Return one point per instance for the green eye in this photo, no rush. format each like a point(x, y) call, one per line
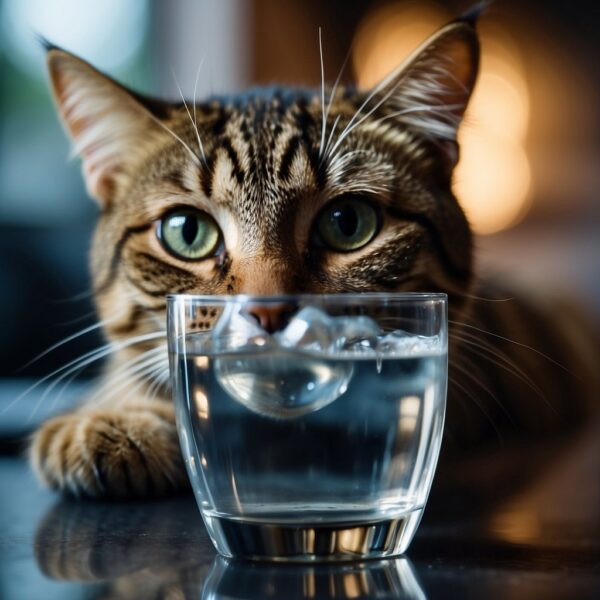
point(348, 224)
point(189, 234)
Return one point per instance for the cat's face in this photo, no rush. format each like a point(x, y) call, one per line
point(274, 191)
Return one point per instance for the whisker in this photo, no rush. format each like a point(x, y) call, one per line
point(160, 123)
point(350, 125)
point(70, 338)
point(192, 120)
point(74, 370)
point(323, 117)
point(129, 368)
point(335, 122)
point(76, 320)
point(120, 371)
point(69, 380)
point(137, 374)
point(196, 89)
point(330, 102)
point(400, 113)
point(145, 378)
point(473, 341)
point(501, 337)
point(84, 360)
point(416, 109)
point(427, 86)
point(160, 380)
point(76, 363)
point(63, 388)
point(76, 297)
point(481, 298)
point(457, 384)
point(469, 375)
point(506, 364)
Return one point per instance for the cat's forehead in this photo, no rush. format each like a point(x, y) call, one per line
point(257, 145)
point(261, 113)
point(276, 98)
point(262, 154)
point(258, 111)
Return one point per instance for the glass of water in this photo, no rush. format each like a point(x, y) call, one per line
point(310, 425)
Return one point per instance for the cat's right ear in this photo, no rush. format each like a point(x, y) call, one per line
point(105, 121)
point(430, 92)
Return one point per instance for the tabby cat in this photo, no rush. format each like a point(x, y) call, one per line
point(283, 191)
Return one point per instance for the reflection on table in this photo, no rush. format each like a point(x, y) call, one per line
point(161, 550)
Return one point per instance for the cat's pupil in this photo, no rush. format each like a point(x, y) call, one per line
point(189, 231)
point(347, 220)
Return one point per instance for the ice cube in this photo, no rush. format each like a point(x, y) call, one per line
point(395, 342)
point(314, 330)
point(310, 329)
point(358, 335)
point(236, 328)
point(402, 343)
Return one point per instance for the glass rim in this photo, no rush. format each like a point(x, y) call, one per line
point(414, 297)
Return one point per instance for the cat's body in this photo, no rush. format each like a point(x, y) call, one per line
point(283, 191)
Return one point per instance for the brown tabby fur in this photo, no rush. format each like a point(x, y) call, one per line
point(261, 166)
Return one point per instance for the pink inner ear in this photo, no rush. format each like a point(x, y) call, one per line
point(100, 184)
point(98, 170)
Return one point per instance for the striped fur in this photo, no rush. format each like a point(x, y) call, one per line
point(263, 164)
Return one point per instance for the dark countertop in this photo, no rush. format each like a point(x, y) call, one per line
point(544, 543)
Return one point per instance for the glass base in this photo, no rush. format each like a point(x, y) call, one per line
point(312, 543)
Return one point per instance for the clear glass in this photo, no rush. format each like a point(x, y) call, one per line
point(310, 425)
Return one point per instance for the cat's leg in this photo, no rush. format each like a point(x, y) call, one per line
point(121, 451)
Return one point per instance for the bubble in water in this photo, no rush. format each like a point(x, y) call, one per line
point(278, 384)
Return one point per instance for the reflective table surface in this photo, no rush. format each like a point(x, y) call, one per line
point(542, 543)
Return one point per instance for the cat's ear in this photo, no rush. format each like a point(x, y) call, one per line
point(105, 121)
point(430, 91)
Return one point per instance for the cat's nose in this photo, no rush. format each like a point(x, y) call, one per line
point(273, 317)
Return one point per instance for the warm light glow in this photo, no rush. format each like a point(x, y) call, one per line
point(410, 407)
point(521, 525)
point(201, 404)
point(492, 181)
point(493, 178)
point(355, 585)
point(389, 34)
point(201, 362)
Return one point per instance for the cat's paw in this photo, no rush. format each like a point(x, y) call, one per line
point(115, 453)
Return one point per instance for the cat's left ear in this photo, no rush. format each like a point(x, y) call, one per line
point(429, 92)
point(110, 126)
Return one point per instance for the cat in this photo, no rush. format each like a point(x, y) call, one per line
point(286, 190)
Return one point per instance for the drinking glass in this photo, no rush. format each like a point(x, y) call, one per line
point(310, 425)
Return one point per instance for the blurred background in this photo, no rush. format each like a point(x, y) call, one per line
point(528, 178)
